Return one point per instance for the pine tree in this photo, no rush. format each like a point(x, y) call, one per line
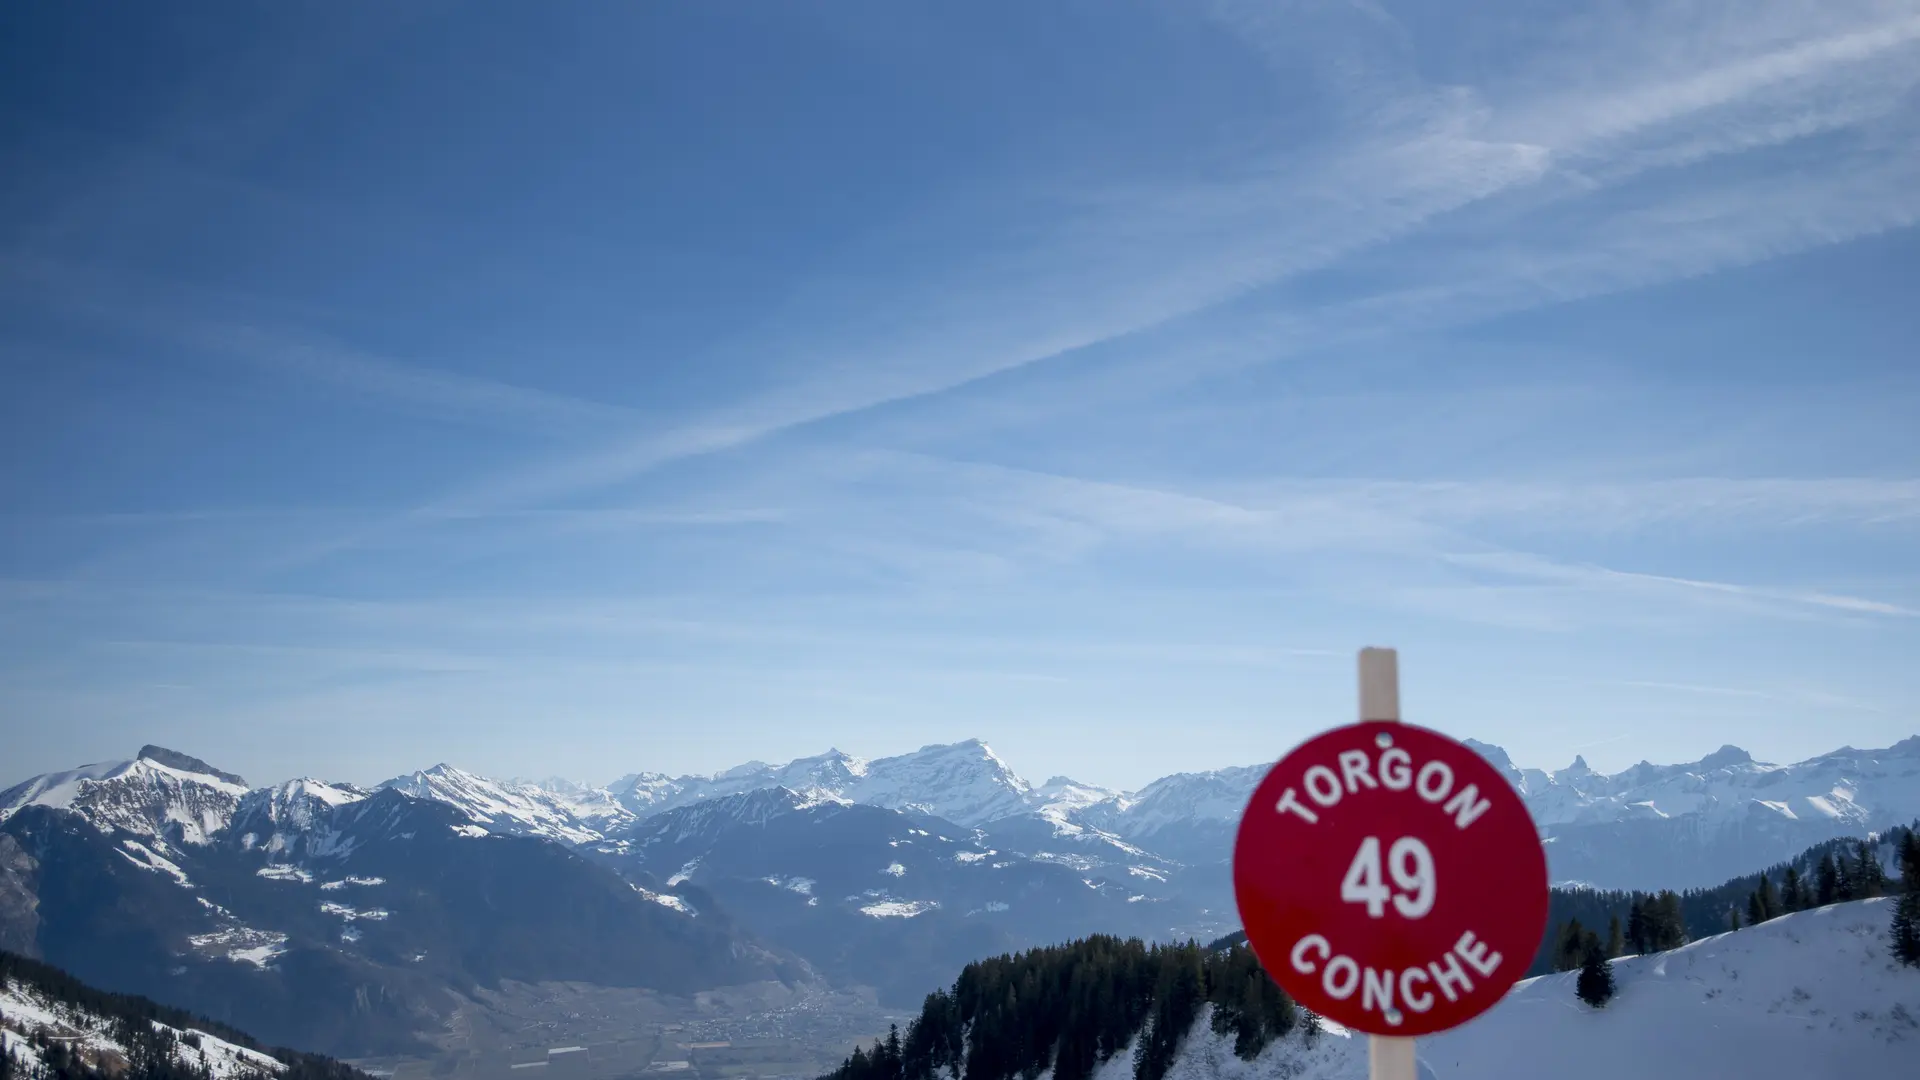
point(1669, 927)
point(1595, 984)
point(1826, 879)
point(1906, 912)
point(1870, 878)
point(1616, 943)
point(1792, 892)
point(1733, 918)
point(1769, 899)
point(1572, 946)
point(1637, 927)
point(890, 1055)
point(1843, 879)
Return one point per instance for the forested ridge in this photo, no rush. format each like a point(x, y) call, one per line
point(1624, 922)
point(1073, 1007)
point(151, 1053)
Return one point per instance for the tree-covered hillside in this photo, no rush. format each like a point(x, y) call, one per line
point(1073, 1007)
point(150, 1034)
point(1623, 923)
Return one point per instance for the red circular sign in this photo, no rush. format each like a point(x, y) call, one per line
point(1390, 879)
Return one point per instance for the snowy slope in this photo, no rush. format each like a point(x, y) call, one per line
point(1813, 994)
point(25, 1011)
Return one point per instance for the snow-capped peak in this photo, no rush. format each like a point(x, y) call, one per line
point(162, 795)
point(274, 818)
point(1061, 797)
point(706, 818)
point(184, 763)
point(1218, 795)
point(1722, 787)
point(1726, 757)
point(965, 782)
point(501, 807)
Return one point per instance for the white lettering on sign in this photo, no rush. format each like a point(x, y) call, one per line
point(1396, 769)
point(1290, 804)
point(1474, 952)
point(1386, 991)
point(1450, 976)
point(1376, 990)
point(1353, 766)
point(1411, 865)
point(1467, 805)
point(1409, 862)
point(1300, 948)
point(1341, 977)
point(1322, 786)
point(1434, 781)
point(1417, 1000)
point(1393, 770)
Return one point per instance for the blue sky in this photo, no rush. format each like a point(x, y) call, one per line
point(593, 388)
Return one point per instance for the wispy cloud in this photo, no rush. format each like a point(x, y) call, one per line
point(1611, 506)
point(1537, 567)
point(1444, 150)
point(1695, 688)
point(194, 323)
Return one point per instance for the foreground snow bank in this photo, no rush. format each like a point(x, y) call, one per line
point(1814, 993)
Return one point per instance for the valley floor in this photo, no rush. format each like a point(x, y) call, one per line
point(573, 1031)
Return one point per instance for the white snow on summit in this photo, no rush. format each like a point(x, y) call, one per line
point(157, 800)
point(595, 808)
point(1215, 796)
point(275, 819)
point(499, 807)
point(1061, 797)
point(964, 782)
point(1851, 788)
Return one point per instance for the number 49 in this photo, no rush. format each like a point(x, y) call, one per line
point(1411, 865)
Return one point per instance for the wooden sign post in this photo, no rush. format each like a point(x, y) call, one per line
point(1389, 877)
point(1388, 1057)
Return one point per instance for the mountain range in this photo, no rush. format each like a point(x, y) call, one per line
point(322, 915)
point(1649, 826)
point(351, 919)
